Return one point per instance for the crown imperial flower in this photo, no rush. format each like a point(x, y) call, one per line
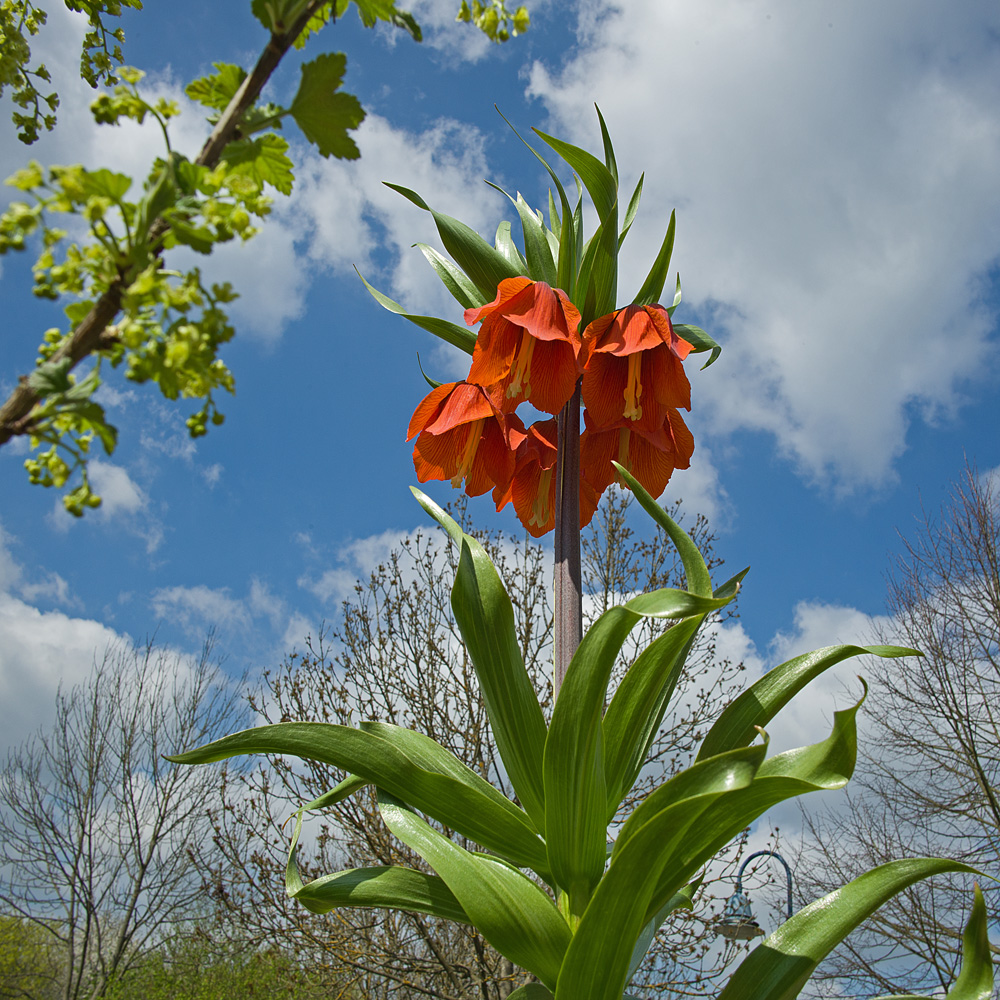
point(528, 346)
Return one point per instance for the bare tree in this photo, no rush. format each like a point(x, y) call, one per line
point(396, 656)
point(96, 828)
point(929, 774)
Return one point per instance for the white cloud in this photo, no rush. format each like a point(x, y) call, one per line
point(39, 650)
point(833, 166)
point(199, 608)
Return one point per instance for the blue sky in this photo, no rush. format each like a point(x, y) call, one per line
point(834, 168)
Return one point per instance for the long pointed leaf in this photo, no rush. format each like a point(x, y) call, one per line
point(699, 340)
point(454, 279)
point(486, 620)
point(485, 817)
point(696, 576)
point(630, 212)
point(598, 959)
point(459, 336)
point(638, 705)
point(510, 911)
point(575, 784)
point(652, 287)
point(390, 887)
point(599, 181)
point(781, 965)
point(485, 265)
point(762, 701)
point(824, 766)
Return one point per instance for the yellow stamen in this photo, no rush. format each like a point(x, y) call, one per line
point(521, 369)
point(633, 389)
point(469, 451)
point(540, 506)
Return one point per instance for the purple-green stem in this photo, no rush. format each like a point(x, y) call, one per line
point(568, 599)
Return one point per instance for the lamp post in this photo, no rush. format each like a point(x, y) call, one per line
point(738, 922)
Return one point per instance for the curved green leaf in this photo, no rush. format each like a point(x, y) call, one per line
point(531, 991)
point(390, 887)
point(638, 705)
point(780, 966)
point(504, 242)
point(485, 618)
point(485, 265)
point(975, 981)
point(459, 336)
point(599, 181)
point(598, 959)
point(454, 279)
point(652, 287)
point(609, 149)
point(696, 573)
point(631, 211)
point(824, 766)
point(762, 701)
point(451, 793)
point(697, 338)
point(510, 911)
point(682, 900)
point(575, 784)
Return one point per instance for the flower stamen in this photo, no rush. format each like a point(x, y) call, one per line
point(633, 388)
point(469, 451)
point(540, 505)
point(521, 369)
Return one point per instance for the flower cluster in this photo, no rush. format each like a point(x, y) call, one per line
point(530, 349)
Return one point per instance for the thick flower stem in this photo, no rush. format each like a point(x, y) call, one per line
point(568, 622)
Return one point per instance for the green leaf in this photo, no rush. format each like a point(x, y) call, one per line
point(541, 263)
point(609, 149)
point(390, 887)
point(631, 211)
point(824, 766)
point(597, 962)
point(682, 900)
point(575, 784)
point(459, 336)
point(975, 981)
point(598, 281)
point(218, 90)
point(484, 264)
point(454, 279)
point(696, 573)
point(504, 242)
point(263, 160)
point(447, 790)
point(652, 287)
point(781, 965)
point(511, 912)
point(699, 341)
point(638, 705)
point(531, 991)
point(764, 699)
point(597, 178)
point(485, 617)
point(324, 115)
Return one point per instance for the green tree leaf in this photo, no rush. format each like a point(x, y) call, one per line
point(263, 159)
point(324, 115)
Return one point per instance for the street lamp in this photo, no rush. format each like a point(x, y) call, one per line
point(738, 923)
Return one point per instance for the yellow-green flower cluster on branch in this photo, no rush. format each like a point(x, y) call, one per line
point(129, 307)
point(494, 20)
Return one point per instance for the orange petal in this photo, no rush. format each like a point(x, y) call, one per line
point(464, 404)
point(665, 378)
point(506, 290)
point(428, 408)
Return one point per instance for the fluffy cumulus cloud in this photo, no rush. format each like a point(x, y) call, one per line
point(834, 169)
point(39, 649)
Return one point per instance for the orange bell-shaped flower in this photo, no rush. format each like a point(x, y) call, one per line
point(463, 436)
point(528, 346)
point(634, 368)
point(533, 486)
point(649, 455)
